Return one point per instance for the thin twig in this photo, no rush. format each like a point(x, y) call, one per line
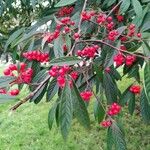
point(18, 104)
point(80, 21)
point(79, 28)
point(118, 49)
point(114, 8)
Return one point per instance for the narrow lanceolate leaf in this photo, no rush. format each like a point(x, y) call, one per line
point(13, 37)
point(99, 111)
point(6, 80)
point(51, 90)
point(58, 43)
point(99, 72)
point(145, 107)
point(51, 115)
point(131, 105)
point(6, 98)
point(39, 95)
point(65, 3)
point(110, 140)
point(66, 110)
point(80, 110)
point(124, 6)
point(147, 80)
point(137, 7)
point(111, 90)
point(118, 137)
point(65, 61)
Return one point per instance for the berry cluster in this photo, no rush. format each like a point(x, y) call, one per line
point(36, 55)
point(119, 59)
point(114, 109)
point(132, 31)
point(130, 59)
point(67, 21)
point(13, 92)
point(65, 11)
point(87, 15)
point(101, 18)
point(88, 52)
point(60, 73)
point(112, 35)
point(136, 89)
point(49, 37)
point(86, 95)
point(23, 75)
point(106, 123)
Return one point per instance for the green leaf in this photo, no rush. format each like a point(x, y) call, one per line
point(99, 72)
point(39, 95)
point(58, 43)
point(118, 137)
point(13, 37)
point(6, 98)
point(124, 6)
point(147, 80)
point(67, 60)
point(65, 3)
point(137, 7)
point(110, 140)
point(51, 115)
point(131, 105)
point(99, 111)
point(40, 76)
point(66, 110)
point(6, 80)
point(111, 90)
point(145, 107)
point(51, 90)
point(80, 110)
point(126, 96)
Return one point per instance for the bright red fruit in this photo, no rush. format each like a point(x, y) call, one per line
point(61, 81)
point(114, 109)
point(119, 59)
point(106, 123)
point(86, 95)
point(14, 92)
point(120, 18)
point(136, 89)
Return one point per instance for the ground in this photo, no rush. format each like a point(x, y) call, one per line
point(27, 129)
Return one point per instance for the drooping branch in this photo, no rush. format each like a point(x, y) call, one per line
point(18, 104)
point(118, 49)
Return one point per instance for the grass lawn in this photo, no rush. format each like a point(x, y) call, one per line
point(27, 129)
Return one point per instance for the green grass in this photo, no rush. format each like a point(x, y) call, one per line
point(27, 129)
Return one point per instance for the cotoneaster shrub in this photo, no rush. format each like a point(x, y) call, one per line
point(78, 58)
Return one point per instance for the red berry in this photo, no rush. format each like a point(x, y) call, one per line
point(120, 18)
point(14, 92)
point(61, 81)
point(76, 36)
point(86, 95)
point(136, 89)
point(139, 35)
point(7, 72)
